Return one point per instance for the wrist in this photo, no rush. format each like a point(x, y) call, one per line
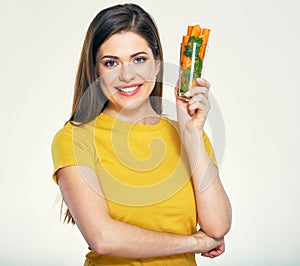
point(194, 147)
point(192, 137)
point(196, 244)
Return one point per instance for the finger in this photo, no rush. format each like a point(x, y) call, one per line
point(198, 106)
point(204, 255)
point(181, 103)
point(221, 248)
point(196, 90)
point(200, 98)
point(198, 113)
point(215, 253)
point(208, 255)
point(203, 82)
point(176, 89)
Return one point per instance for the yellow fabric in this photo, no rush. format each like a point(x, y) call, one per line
point(144, 175)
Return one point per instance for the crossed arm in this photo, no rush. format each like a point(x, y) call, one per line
point(107, 236)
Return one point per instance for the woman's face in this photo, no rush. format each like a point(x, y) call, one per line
point(127, 70)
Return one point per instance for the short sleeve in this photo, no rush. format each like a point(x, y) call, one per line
point(209, 149)
point(71, 146)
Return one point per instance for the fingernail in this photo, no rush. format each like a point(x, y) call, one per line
point(199, 79)
point(187, 94)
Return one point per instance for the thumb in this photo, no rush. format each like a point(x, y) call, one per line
point(176, 89)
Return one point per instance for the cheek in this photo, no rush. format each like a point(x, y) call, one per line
point(147, 71)
point(108, 77)
point(106, 86)
point(107, 81)
point(101, 72)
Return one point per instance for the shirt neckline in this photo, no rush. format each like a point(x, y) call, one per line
point(111, 122)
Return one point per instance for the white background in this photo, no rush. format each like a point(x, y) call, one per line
point(253, 65)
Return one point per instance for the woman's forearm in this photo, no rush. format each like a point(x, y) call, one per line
point(213, 206)
point(129, 241)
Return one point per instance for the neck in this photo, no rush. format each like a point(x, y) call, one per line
point(143, 115)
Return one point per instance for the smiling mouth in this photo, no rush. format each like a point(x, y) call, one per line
point(129, 90)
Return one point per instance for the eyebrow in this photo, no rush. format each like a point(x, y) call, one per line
point(116, 57)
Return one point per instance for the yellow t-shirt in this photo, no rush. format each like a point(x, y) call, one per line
point(144, 175)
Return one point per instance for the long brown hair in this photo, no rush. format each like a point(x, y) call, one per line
point(89, 101)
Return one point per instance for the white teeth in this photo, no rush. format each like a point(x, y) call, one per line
point(128, 89)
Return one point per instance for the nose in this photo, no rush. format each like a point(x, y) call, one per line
point(127, 73)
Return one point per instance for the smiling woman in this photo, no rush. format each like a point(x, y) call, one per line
point(135, 182)
point(127, 77)
point(88, 100)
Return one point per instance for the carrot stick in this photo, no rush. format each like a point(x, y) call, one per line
point(186, 62)
point(190, 28)
point(205, 33)
point(185, 40)
point(196, 31)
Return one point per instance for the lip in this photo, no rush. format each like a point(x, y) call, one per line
point(122, 89)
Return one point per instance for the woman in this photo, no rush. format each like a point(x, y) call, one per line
point(135, 182)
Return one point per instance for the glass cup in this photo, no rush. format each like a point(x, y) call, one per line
point(190, 68)
point(191, 63)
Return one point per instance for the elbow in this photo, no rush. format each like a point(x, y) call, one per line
point(101, 249)
point(219, 233)
point(221, 227)
point(99, 244)
point(103, 245)
point(101, 241)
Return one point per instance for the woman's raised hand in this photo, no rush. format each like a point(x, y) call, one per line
point(192, 114)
